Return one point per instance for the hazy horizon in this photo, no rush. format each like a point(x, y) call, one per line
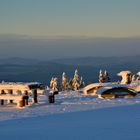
point(66, 47)
point(49, 29)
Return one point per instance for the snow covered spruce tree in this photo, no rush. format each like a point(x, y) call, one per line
point(82, 83)
point(101, 77)
point(53, 84)
point(70, 84)
point(106, 76)
point(75, 81)
point(138, 76)
point(134, 78)
point(64, 82)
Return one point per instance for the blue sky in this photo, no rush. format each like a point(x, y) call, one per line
point(94, 18)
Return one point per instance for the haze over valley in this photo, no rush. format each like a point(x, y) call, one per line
point(47, 48)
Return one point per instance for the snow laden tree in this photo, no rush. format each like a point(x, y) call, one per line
point(101, 77)
point(106, 76)
point(134, 78)
point(82, 83)
point(138, 76)
point(55, 87)
point(53, 84)
point(70, 84)
point(64, 82)
point(75, 81)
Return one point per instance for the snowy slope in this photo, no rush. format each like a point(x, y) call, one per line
point(116, 123)
point(73, 117)
point(65, 102)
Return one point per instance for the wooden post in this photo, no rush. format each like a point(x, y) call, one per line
point(23, 101)
point(26, 97)
point(20, 103)
point(35, 96)
point(11, 101)
point(11, 93)
point(2, 102)
point(51, 98)
point(26, 102)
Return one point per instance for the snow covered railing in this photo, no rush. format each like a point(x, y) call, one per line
point(19, 99)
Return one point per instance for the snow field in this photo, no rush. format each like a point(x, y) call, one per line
point(65, 102)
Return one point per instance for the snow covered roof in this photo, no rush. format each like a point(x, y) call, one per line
point(17, 85)
point(96, 85)
point(105, 88)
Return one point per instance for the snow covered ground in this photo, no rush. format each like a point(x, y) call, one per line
point(73, 116)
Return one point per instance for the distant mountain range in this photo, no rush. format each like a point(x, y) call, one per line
point(18, 61)
point(99, 61)
point(84, 61)
point(22, 69)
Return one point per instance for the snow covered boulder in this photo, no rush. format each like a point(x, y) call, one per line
point(135, 86)
point(126, 77)
point(138, 73)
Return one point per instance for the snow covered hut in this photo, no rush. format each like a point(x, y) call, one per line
point(115, 91)
point(109, 90)
point(91, 89)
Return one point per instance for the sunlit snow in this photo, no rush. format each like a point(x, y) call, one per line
point(65, 102)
